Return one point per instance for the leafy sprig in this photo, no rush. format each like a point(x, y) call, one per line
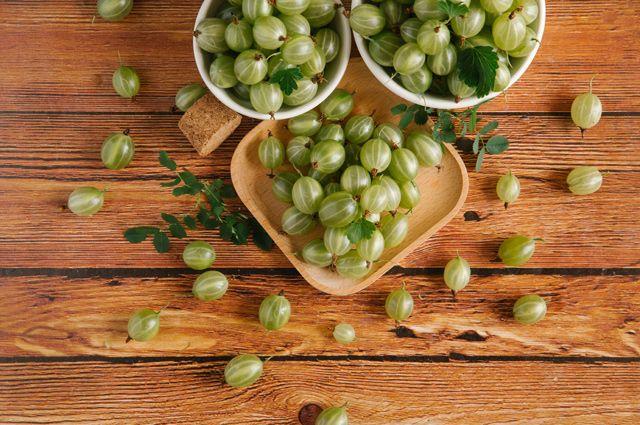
point(287, 79)
point(360, 229)
point(452, 9)
point(478, 66)
point(211, 213)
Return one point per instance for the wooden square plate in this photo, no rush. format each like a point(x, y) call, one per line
point(443, 191)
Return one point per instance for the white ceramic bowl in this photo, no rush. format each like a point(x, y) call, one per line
point(333, 72)
point(520, 65)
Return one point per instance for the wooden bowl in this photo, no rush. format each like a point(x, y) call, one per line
point(443, 190)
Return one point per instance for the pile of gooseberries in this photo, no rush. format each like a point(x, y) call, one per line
point(417, 43)
point(340, 176)
point(252, 40)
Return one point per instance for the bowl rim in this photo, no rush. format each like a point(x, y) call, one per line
point(342, 60)
point(434, 102)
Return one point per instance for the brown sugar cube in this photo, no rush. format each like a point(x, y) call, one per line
point(208, 123)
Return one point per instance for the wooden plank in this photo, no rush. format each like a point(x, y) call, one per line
point(87, 315)
point(44, 157)
point(65, 61)
point(376, 393)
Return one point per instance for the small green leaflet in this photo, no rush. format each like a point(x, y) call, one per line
point(480, 159)
point(497, 144)
point(287, 78)
point(167, 162)
point(452, 9)
point(260, 237)
point(360, 229)
point(161, 242)
point(139, 234)
point(478, 67)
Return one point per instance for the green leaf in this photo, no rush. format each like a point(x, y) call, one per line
point(177, 230)
point(227, 191)
point(452, 9)
point(478, 67)
point(473, 119)
point(422, 116)
point(161, 242)
point(139, 234)
point(260, 237)
point(489, 127)
point(167, 162)
point(188, 178)
point(171, 183)
point(189, 221)
point(241, 233)
point(286, 79)
point(480, 159)
point(463, 132)
point(171, 219)
point(360, 229)
point(182, 190)
point(398, 109)
point(406, 119)
point(476, 145)
point(497, 144)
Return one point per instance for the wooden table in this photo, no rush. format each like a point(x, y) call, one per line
point(69, 284)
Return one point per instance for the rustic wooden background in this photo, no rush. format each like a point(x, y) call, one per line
point(68, 284)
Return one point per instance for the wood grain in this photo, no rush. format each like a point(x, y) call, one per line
point(44, 157)
point(405, 393)
point(87, 315)
point(65, 60)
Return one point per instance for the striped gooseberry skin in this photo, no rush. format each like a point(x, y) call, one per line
point(228, 12)
point(329, 42)
point(266, 98)
point(530, 9)
point(295, 222)
point(332, 187)
point(333, 416)
point(307, 124)
point(250, 67)
point(375, 156)
point(410, 195)
point(114, 10)
point(509, 30)
point(526, 47)
point(315, 65)
point(457, 87)
point(338, 105)
point(584, 180)
point(321, 177)
point(469, 24)
point(282, 185)
point(271, 152)
point(306, 91)
point(503, 77)
point(418, 82)
point(338, 210)
point(508, 188)
point(243, 370)
point(394, 229)
point(238, 35)
point(355, 179)
point(344, 333)
point(373, 199)
point(117, 151)
point(516, 250)
point(188, 95)
point(496, 6)
point(359, 128)
point(373, 218)
point(404, 165)
point(433, 37)
point(297, 49)
point(320, 13)
point(330, 132)
point(275, 64)
point(292, 7)
point(274, 312)
point(209, 35)
point(269, 32)
point(241, 90)
point(408, 59)
point(428, 9)
point(457, 274)
point(442, 63)
point(390, 133)
point(367, 20)
point(427, 151)
point(235, 3)
point(222, 72)
point(143, 325)
point(299, 151)
point(316, 254)
point(393, 191)
point(307, 194)
point(394, 13)
point(327, 156)
point(371, 249)
point(586, 110)
point(336, 241)
point(210, 286)
point(530, 309)
point(352, 155)
point(352, 265)
point(409, 30)
point(383, 46)
point(198, 255)
point(126, 82)
point(253, 9)
point(85, 201)
point(296, 24)
point(399, 304)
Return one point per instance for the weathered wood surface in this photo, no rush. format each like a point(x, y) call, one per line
point(87, 315)
point(377, 392)
point(54, 57)
point(47, 155)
